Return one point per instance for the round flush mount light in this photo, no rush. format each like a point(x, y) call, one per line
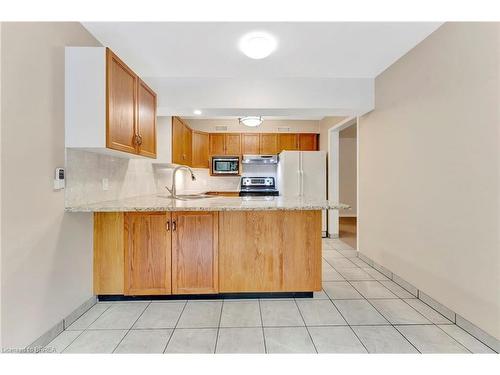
point(251, 121)
point(258, 44)
point(197, 112)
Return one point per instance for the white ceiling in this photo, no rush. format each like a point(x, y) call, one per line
point(199, 57)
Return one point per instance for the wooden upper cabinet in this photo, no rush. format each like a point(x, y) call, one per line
point(146, 120)
point(217, 144)
point(232, 143)
point(147, 253)
point(268, 144)
point(177, 140)
point(182, 136)
point(194, 252)
point(288, 141)
point(308, 142)
point(200, 150)
point(107, 106)
point(188, 145)
point(121, 130)
point(250, 143)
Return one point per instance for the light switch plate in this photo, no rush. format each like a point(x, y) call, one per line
point(105, 184)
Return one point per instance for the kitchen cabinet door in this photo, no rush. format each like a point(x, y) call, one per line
point(187, 141)
point(286, 257)
point(288, 142)
point(200, 150)
point(147, 253)
point(250, 143)
point(217, 146)
point(232, 144)
point(308, 142)
point(177, 141)
point(108, 253)
point(146, 120)
point(268, 144)
point(121, 131)
point(194, 252)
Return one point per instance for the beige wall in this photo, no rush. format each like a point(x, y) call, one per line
point(348, 170)
point(46, 253)
point(271, 126)
point(429, 171)
point(324, 125)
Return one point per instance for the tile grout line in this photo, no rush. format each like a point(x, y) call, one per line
point(72, 341)
point(348, 325)
point(262, 325)
point(431, 322)
point(218, 327)
point(85, 329)
point(93, 321)
point(418, 297)
point(125, 335)
point(459, 343)
point(392, 325)
point(175, 327)
point(305, 325)
point(382, 285)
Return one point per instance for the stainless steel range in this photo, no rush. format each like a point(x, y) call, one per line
point(258, 186)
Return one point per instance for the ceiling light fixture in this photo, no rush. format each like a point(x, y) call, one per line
point(258, 44)
point(197, 112)
point(251, 121)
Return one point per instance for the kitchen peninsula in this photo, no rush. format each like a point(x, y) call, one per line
point(155, 245)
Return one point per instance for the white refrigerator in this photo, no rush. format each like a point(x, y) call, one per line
point(303, 173)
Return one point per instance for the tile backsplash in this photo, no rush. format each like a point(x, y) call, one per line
point(86, 170)
point(127, 178)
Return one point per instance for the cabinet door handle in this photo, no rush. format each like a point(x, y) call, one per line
point(174, 226)
point(168, 225)
point(139, 139)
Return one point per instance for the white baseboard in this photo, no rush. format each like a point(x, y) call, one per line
point(52, 333)
point(467, 326)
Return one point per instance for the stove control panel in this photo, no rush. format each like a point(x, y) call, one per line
point(257, 181)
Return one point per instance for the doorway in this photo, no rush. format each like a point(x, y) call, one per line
point(343, 180)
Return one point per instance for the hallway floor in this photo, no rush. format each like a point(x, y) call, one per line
point(358, 311)
point(348, 231)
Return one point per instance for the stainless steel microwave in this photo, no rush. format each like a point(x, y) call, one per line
point(225, 165)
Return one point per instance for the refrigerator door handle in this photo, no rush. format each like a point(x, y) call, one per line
point(301, 178)
point(299, 182)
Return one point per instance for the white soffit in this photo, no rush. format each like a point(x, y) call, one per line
point(325, 67)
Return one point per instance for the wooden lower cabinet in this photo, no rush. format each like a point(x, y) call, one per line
point(269, 251)
point(147, 253)
point(194, 252)
point(205, 252)
point(108, 253)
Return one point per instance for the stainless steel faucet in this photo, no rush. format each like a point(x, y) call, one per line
point(173, 190)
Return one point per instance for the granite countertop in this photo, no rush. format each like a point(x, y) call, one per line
point(165, 203)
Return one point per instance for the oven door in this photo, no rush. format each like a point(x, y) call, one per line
point(226, 166)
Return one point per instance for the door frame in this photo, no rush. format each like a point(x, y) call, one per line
point(333, 172)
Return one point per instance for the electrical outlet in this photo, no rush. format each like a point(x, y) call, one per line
point(105, 184)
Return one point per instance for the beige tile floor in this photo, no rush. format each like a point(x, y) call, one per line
point(359, 310)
